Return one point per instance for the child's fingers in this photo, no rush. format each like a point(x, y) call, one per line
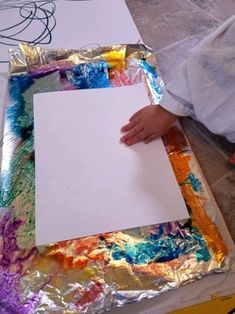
point(130, 125)
point(151, 138)
point(133, 132)
point(137, 138)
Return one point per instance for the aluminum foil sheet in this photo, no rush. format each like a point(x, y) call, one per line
point(98, 273)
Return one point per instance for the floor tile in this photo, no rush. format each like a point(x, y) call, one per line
point(164, 22)
point(171, 57)
point(221, 9)
point(212, 162)
point(219, 142)
point(224, 193)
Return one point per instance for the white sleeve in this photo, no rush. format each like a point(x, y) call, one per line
point(176, 96)
point(203, 87)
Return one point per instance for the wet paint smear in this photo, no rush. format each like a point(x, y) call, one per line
point(88, 75)
point(164, 247)
point(74, 276)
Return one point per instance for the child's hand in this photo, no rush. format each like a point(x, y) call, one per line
point(147, 124)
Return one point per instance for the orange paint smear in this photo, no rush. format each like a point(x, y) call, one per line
point(78, 253)
point(175, 141)
point(200, 219)
point(159, 269)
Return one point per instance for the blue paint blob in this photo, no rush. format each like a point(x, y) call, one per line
point(20, 110)
point(21, 90)
point(17, 86)
point(203, 254)
point(194, 182)
point(89, 75)
point(148, 68)
point(170, 242)
point(152, 79)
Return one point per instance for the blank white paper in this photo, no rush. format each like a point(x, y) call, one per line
point(87, 182)
point(66, 24)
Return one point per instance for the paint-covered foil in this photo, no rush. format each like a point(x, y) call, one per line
point(98, 273)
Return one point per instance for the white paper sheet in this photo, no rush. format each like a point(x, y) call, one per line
point(65, 24)
point(86, 181)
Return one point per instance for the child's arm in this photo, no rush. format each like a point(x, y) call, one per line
point(147, 124)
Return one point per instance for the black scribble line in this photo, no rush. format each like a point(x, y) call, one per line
point(30, 13)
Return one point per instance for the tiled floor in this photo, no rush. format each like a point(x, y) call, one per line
point(172, 28)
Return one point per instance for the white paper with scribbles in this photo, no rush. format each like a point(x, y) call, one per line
point(65, 24)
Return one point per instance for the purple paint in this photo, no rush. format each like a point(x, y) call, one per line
point(13, 260)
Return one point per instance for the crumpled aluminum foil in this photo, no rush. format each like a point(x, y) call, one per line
point(98, 273)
